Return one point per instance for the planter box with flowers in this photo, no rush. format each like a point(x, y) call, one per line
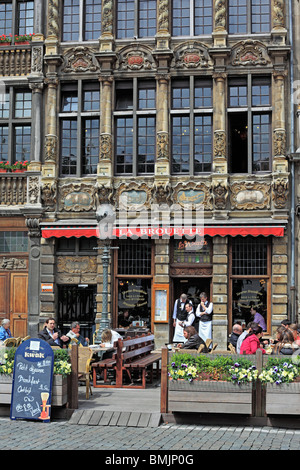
point(17, 167)
point(5, 40)
point(62, 368)
point(282, 383)
point(203, 384)
point(23, 39)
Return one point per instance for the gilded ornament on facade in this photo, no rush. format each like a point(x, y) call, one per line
point(278, 18)
point(107, 16)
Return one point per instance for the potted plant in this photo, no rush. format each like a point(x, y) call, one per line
point(281, 378)
point(20, 167)
point(5, 40)
point(23, 38)
point(4, 167)
point(204, 384)
point(61, 370)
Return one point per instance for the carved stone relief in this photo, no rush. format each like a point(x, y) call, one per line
point(12, 264)
point(80, 59)
point(34, 190)
point(219, 143)
point(220, 194)
point(77, 197)
point(133, 196)
point(280, 191)
point(135, 57)
point(250, 52)
point(50, 148)
point(76, 264)
point(162, 193)
point(250, 195)
point(105, 147)
point(279, 141)
point(162, 143)
point(193, 194)
point(220, 15)
point(191, 54)
point(49, 191)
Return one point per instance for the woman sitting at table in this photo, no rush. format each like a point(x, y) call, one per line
point(4, 330)
point(193, 339)
point(251, 342)
point(108, 338)
point(287, 345)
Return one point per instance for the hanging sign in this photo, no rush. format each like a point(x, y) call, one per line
point(32, 381)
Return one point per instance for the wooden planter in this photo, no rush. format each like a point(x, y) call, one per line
point(209, 397)
point(59, 390)
point(283, 399)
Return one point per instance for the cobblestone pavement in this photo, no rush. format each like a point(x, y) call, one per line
point(59, 435)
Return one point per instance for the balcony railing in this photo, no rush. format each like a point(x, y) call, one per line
point(15, 61)
point(13, 189)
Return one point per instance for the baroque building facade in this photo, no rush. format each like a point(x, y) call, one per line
point(149, 107)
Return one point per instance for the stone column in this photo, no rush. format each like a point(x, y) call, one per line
point(105, 169)
point(220, 287)
point(162, 164)
point(51, 157)
point(163, 25)
point(47, 275)
point(106, 39)
point(52, 27)
point(219, 26)
point(37, 119)
point(38, 27)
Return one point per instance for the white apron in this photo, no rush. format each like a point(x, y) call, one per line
point(178, 333)
point(205, 330)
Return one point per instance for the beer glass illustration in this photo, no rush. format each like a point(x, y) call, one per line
point(45, 407)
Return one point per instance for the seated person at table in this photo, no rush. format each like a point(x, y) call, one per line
point(193, 339)
point(4, 330)
point(243, 336)
point(251, 343)
point(108, 337)
point(52, 335)
point(294, 329)
point(237, 330)
point(74, 333)
point(123, 319)
point(286, 346)
point(258, 318)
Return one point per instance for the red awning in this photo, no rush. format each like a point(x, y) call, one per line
point(155, 232)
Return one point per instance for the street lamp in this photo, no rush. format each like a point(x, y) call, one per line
point(105, 217)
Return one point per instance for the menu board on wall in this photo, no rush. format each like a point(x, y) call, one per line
point(161, 302)
point(32, 381)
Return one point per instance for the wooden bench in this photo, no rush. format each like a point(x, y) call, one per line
point(136, 354)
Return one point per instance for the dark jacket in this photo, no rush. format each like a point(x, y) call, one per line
point(233, 339)
point(194, 343)
point(46, 337)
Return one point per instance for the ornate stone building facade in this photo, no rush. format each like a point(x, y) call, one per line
point(141, 104)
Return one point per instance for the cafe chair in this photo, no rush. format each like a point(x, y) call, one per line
point(231, 348)
point(200, 349)
point(18, 341)
point(10, 342)
point(85, 355)
point(25, 339)
point(214, 347)
point(208, 343)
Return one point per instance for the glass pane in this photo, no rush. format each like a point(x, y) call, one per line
point(71, 16)
point(13, 242)
point(92, 19)
point(245, 294)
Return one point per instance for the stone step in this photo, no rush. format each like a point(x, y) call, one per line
point(115, 418)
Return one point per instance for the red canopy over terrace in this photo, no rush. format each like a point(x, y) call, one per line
point(87, 231)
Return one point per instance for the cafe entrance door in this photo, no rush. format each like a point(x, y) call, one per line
point(192, 287)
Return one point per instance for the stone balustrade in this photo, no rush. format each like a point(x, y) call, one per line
point(13, 189)
point(15, 61)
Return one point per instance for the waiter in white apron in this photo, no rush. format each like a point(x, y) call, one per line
point(204, 312)
point(182, 317)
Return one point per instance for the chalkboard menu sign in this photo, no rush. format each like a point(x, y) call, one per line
point(32, 381)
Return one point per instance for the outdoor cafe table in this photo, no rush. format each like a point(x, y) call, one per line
point(100, 351)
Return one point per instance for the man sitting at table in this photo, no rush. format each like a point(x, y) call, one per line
point(74, 333)
point(123, 319)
